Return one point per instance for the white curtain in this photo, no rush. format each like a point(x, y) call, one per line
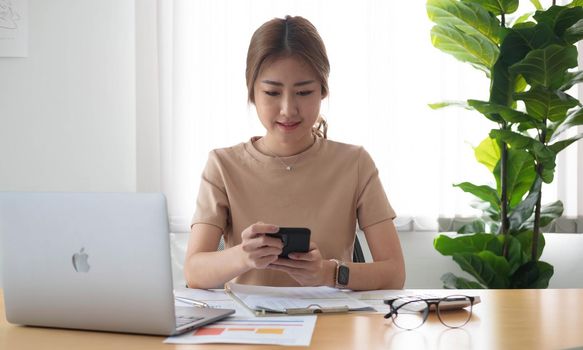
point(384, 72)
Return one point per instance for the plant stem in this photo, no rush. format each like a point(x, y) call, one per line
point(504, 196)
point(537, 208)
point(504, 179)
point(536, 228)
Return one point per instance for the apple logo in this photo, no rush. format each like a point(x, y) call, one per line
point(80, 261)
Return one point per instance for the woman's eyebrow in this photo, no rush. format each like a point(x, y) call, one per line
point(277, 83)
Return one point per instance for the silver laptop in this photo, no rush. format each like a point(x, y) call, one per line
point(96, 261)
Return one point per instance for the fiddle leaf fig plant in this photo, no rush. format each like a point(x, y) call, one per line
point(531, 64)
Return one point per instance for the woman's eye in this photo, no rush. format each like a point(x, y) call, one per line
point(272, 93)
point(305, 93)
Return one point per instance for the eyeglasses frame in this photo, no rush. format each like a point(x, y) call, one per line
point(431, 302)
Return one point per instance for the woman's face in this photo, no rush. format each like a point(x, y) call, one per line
point(287, 97)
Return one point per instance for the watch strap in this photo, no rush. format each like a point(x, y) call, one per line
point(337, 284)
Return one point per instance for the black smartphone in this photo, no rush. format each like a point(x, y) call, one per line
point(295, 239)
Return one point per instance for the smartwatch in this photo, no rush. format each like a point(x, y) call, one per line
point(341, 275)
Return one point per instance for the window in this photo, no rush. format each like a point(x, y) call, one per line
point(384, 72)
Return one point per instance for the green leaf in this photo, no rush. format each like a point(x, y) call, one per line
point(567, 19)
point(546, 271)
point(490, 110)
point(475, 226)
point(525, 208)
point(564, 22)
point(462, 244)
point(451, 281)
point(497, 7)
point(467, 17)
point(547, 67)
point(516, 257)
point(488, 153)
point(522, 18)
point(444, 104)
point(537, 149)
point(561, 145)
point(537, 4)
point(520, 41)
point(498, 263)
point(516, 45)
point(520, 175)
point(487, 109)
point(575, 3)
point(502, 85)
point(574, 119)
point(574, 33)
point(549, 16)
point(525, 238)
point(533, 274)
point(542, 103)
point(548, 214)
point(477, 51)
point(571, 79)
point(496, 245)
point(487, 268)
point(484, 192)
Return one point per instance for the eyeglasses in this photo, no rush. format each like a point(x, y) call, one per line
point(408, 313)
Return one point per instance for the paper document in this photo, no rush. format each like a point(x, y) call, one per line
point(291, 331)
point(287, 299)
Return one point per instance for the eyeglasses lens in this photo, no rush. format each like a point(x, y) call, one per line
point(451, 314)
point(411, 312)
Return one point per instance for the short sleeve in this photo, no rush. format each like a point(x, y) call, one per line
point(212, 204)
point(372, 205)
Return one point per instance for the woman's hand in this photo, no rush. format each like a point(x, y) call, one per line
point(308, 269)
point(258, 249)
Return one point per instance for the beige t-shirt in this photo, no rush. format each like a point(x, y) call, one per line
point(332, 186)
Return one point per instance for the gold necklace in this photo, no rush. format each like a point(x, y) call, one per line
point(288, 167)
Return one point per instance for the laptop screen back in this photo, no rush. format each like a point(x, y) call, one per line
point(97, 261)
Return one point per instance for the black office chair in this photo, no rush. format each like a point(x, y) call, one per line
point(357, 254)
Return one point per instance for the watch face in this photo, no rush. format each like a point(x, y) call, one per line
point(343, 273)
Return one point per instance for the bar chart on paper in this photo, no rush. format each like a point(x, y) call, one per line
point(296, 331)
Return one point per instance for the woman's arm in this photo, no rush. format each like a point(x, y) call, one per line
point(388, 269)
point(205, 267)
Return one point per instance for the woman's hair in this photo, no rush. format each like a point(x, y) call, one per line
point(290, 36)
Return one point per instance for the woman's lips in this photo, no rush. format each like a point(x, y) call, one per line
point(288, 126)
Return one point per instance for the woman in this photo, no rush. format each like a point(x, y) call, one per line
point(292, 176)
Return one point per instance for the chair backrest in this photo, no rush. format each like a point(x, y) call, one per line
point(357, 254)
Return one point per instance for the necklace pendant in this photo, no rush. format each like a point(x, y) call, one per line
point(288, 168)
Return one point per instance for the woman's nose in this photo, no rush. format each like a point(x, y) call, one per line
point(289, 105)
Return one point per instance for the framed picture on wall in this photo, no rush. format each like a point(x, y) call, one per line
point(13, 28)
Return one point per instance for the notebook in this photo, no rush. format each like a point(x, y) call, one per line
point(94, 261)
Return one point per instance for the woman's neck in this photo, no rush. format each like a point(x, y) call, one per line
point(285, 149)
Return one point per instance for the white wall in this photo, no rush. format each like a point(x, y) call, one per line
point(67, 117)
point(67, 111)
